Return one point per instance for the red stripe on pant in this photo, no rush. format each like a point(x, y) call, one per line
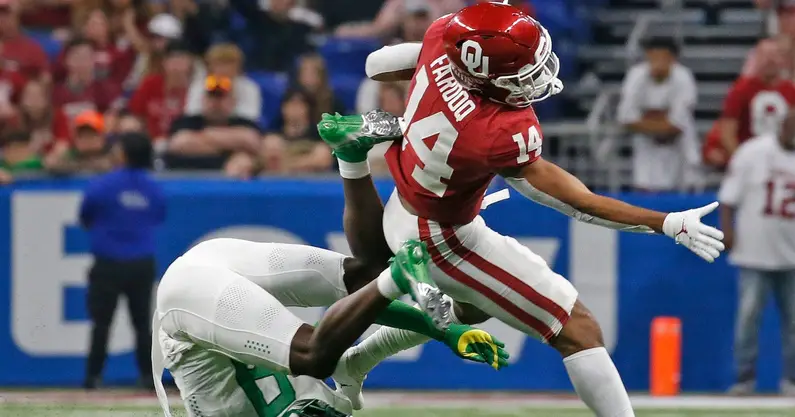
point(448, 268)
point(494, 271)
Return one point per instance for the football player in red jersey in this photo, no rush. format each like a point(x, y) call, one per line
point(755, 105)
point(469, 118)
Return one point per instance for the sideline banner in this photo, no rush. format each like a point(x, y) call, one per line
point(625, 279)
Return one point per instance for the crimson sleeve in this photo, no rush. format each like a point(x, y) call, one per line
point(515, 150)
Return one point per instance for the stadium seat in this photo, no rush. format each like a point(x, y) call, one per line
point(272, 86)
point(347, 56)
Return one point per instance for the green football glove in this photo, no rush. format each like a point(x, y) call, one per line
point(476, 345)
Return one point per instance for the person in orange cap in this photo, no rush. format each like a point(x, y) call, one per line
point(88, 151)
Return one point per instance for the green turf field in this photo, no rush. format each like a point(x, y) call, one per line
point(127, 403)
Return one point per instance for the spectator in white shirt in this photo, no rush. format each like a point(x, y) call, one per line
point(658, 97)
point(226, 60)
point(758, 217)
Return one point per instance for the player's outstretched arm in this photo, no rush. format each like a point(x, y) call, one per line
point(684, 227)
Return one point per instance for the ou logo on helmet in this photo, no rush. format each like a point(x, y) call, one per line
point(473, 58)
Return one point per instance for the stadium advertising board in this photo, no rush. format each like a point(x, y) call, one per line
point(625, 279)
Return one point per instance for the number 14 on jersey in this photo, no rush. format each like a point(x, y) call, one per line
point(528, 146)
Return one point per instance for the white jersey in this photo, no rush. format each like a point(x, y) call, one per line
point(665, 166)
point(760, 183)
point(211, 383)
point(224, 330)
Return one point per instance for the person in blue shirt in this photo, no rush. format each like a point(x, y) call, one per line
point(121, 211)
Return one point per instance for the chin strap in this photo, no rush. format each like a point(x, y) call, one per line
point(523, 187)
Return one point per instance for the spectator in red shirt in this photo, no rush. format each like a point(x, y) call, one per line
point(163, 29)
point(160, 98)
point(11, 85)
point(47, 125)
point(755, 106)
point(20, 52)
point(111, 63)
point(80, 90)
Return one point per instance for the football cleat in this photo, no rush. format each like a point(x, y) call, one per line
point(351, 137)
point(409, 270)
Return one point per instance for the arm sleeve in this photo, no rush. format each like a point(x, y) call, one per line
point(731, 188)
point(629, 110)
point(393, 58)
point(523, 187)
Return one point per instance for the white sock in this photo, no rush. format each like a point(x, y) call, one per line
point(596, 380)
point(380, 345)
point(387, 286)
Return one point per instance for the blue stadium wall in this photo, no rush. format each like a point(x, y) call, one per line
point(626, 279)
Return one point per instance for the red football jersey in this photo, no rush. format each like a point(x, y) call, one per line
point(758, 107)
point(156, 105)
point(99, 96)
point(455, 142)
point(25, 55)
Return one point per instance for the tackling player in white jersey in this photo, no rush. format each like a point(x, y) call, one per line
point(223, 330)
point(469, 118)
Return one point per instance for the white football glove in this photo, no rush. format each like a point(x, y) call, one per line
point(685, 228)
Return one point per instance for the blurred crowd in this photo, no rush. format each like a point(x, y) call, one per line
point(658, 100)
point(75, 74)
point(752, 145)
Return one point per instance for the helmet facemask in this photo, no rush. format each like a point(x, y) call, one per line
point(534, 82)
